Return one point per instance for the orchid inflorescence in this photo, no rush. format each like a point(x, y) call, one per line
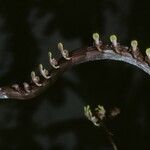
point(98, 118)
point(99, 51)
point(100, 114)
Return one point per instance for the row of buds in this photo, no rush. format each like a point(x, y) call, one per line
point(134, 47)
point(45, 73)
point(53, 62)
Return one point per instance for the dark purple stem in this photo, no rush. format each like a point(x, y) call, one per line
point(77, 57)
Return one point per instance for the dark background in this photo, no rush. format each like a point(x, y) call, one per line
point(55, 120)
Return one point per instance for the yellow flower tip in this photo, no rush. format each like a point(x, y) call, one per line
point(134, 43)
point(49, 54)
point(35, 79)
point(97, 41)
point(60, 46)
point(43, 72)
point(148, 52)
point(26, 87)
point(113, 38)
point(32, 73)
point(95, 36)
point(63, 51)
point(40, 66)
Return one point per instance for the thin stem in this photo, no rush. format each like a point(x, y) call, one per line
point(112, 142)
point(109, 135)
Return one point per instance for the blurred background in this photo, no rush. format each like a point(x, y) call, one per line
point(55, 119)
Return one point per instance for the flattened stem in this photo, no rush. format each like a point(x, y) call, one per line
point(78, 56)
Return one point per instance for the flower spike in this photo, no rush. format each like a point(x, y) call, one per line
point(26, 87)
point(134, 45)
point(35, 79)
point(113, 51)
point(97, 41)
point(53, 61)
point(44, 72)
point(63, 51)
